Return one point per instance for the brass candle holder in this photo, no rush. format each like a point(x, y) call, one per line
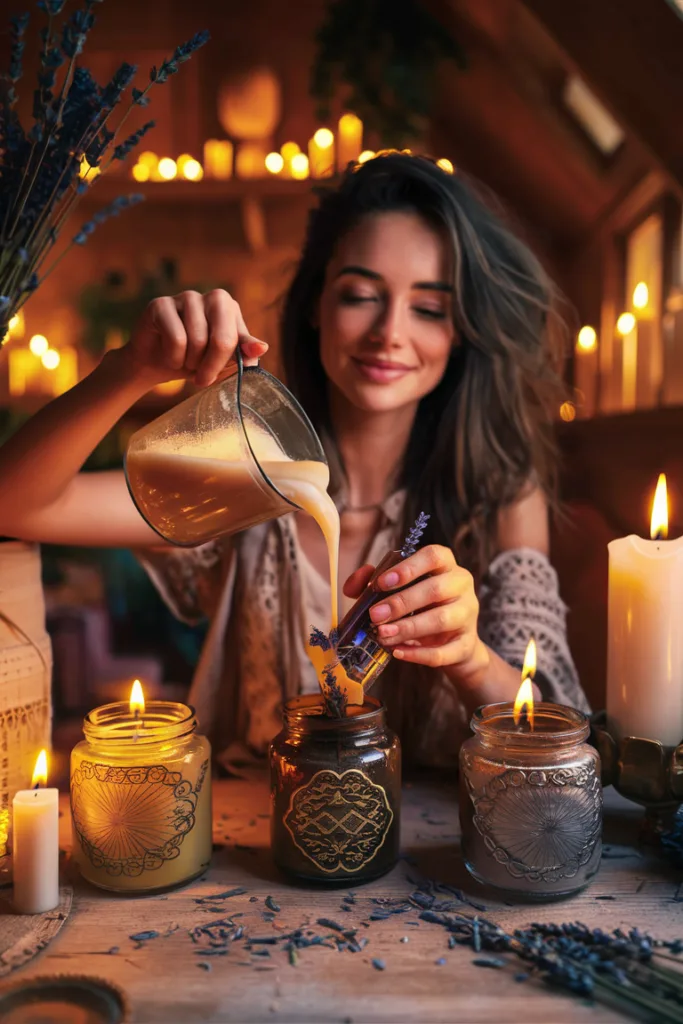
point(643, 770)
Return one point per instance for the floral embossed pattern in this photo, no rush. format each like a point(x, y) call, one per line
point(130, 820)
point(339, 821)
point(541, 825)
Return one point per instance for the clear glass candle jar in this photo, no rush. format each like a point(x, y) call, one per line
point(531, 802)
point(335, 793)
point(141, 798)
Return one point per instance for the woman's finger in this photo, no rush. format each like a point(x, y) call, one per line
point(168, 325)
point(252, 348)
point(358, 581)
point(447, 618)
point(429, 591)
point(435, 558)
point(455, 652)
point(190, 306)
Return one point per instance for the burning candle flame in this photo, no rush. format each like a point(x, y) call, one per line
point(524, 701)
point(659, 523)
point(137, 699)
point(39, 777)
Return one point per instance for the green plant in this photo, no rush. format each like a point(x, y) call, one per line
point(387, 53)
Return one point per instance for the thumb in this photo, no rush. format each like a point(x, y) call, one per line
point(252, 348)
point(358, 581)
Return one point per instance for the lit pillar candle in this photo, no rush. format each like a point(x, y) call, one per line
point(218, 157)
point(321, 153)
point(349, 141)
point(644, 636)
point(35, 844)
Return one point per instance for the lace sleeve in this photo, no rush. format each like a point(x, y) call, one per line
point(520, 597)
point(187, 578)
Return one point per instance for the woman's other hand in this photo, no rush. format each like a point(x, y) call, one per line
point(433, 620)
point(189, 335)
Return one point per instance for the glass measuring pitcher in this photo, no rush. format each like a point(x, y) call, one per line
point(235, 454)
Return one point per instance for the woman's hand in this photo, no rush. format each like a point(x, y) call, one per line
point(189, 336)
point(434, 620)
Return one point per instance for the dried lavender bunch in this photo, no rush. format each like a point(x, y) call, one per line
point(672, 841)
point(41, 176)
point(335, 698)
point(319, 639)
point(414, 535)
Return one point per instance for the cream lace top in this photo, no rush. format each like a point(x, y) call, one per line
point(262, 597)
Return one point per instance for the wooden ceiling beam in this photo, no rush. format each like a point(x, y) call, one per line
point(630, 54)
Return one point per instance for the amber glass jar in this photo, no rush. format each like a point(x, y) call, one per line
point(335, 793)
point(141, 798)
point(531, 802)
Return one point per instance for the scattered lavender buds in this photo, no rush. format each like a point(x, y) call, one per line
point(414, 535)
point(318, 639)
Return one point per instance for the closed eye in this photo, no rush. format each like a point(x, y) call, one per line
point(356, 300)
point(432, 314)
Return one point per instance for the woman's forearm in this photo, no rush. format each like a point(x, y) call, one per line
point(486, 679)
point(43, 457)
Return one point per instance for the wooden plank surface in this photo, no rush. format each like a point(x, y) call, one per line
point(165, 983)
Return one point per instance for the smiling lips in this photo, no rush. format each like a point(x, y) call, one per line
point(381, 371)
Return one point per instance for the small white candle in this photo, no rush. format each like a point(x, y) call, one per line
point(644, 633)
point(35, 845)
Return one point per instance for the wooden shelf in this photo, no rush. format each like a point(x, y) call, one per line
point(207, 191)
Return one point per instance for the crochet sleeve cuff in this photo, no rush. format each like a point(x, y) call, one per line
point(519, 598)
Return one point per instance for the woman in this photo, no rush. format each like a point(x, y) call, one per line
point(416, 334)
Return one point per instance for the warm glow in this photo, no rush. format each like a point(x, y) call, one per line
point(169, 387)
point(86, 171)
point(299, 165)
point(524, 701)
point(148, 159)
point(218, 158)
point(137, 699)
point(641, 295)
point(167, 168)
point(659, 521)
point(193, 170)
point(50, 359)
point(274, 163)
point(587, 339)
point(626, 323)
point(323, 138)
point(366, 155)
point(289, 150)
point(568, 412)
point(141, 172)
point(39, 777)
point(445, 165)
point(16, 325)
point(38, 344)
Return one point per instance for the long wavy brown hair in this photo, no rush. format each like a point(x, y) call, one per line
point(484, 434)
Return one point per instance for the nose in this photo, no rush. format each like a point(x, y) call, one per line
point(390, 326)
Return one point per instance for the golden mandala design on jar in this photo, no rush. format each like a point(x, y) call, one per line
point(132, 819)
point(339, 821)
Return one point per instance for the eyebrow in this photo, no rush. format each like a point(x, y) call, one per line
point(429, 286)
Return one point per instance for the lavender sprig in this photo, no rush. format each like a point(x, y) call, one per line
point(413, 537)
point(319, 639)
point(336, 699)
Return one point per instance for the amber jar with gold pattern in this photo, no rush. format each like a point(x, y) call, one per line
point(335, 793)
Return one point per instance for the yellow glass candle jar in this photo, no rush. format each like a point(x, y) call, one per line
point(141, 798)
point(531, 801)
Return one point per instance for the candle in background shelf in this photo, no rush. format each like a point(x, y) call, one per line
point(644, 632)
point(218, 159)
point(530, 796)
point(349, 140)
point(250, 161)
point(141, 796)
point(321, 153)
point(35, 844)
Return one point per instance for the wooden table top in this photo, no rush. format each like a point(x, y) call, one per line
point(423, 979)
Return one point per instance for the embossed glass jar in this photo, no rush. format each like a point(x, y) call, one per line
point(335, 793)
point(141, 798)
point(531, 802)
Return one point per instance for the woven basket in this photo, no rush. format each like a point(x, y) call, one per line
point(25, 674)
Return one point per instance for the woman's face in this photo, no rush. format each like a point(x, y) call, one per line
point(386, 328)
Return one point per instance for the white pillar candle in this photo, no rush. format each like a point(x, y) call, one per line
point(645, 633)
point(35, 845)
